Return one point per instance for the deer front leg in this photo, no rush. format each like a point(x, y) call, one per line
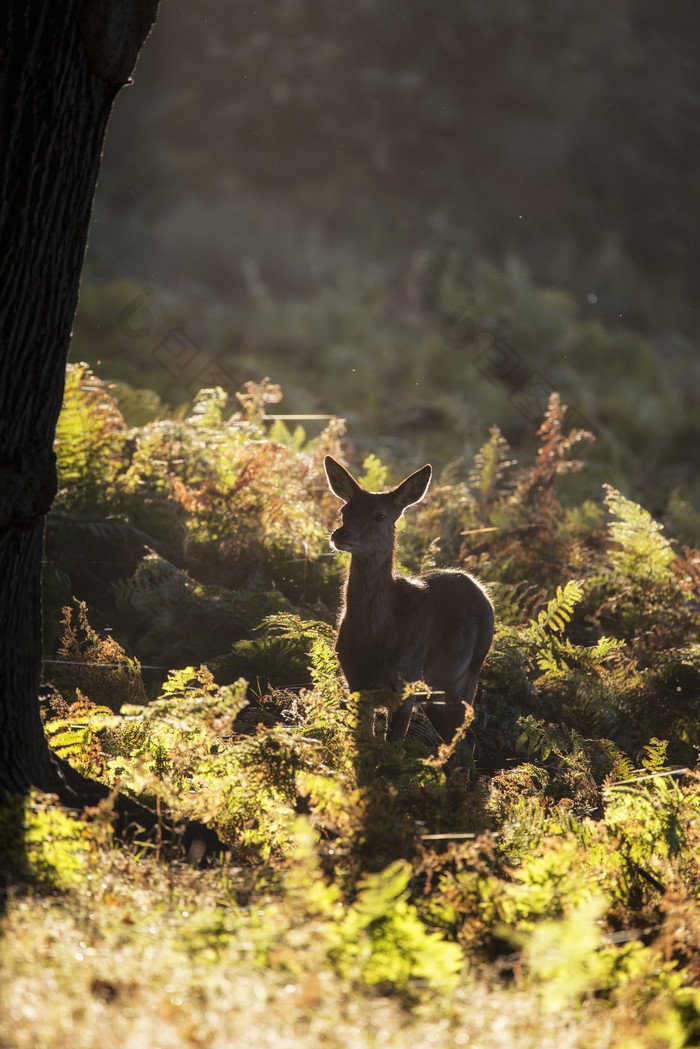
point(399, 722)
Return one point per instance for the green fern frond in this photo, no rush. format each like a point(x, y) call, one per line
point(89, 438)
point(562, 655)
point(294, 440)
point(548, 662)
point(490, 464)
point(536, 737)
point(208, 408)
point(375, 475)
point(288, 624)
point(155, 584)
point(559, 610)
point(654, 755)
point(569, 750)
point(641, 553)
point(604, 647)
point(594, 703)
point(560, 743)
point(622, 766)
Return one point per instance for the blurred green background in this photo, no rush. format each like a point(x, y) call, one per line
point(419, 217)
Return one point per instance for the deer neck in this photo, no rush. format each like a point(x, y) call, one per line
point(369, 582)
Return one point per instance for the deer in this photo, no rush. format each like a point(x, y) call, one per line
point(392, 629)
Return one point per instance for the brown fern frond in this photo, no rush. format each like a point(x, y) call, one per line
point(538, 482)
point(687, 570)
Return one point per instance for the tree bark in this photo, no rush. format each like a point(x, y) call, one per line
point(63, 62)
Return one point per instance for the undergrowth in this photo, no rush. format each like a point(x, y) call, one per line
point(190, 602)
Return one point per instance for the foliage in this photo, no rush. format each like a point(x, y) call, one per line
point(569, 858)
point(558, 611)
point(97, 664)
point(641, 554)
point(204, 522)
point(382, 937)
point(89, 436)
point(434, 389)
point(40, 843)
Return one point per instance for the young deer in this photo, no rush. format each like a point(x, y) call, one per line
point(437, 628)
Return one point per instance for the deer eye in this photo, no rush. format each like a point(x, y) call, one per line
point(380, 517)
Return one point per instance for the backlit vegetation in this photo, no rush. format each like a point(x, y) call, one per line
point(369, 895)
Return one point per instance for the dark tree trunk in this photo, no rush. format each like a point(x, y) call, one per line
point(62, 64)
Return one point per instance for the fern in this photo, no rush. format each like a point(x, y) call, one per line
point(97, 665)
point(653, 820)
point(641, 554)
point(282, 656)
point(256, 398)
point(490, 464)
point(155, 585)
point(287, 624)
point(208, 408)
point(622, 766)
point(73, 734)
point(598, 705)
point(293, 440)
point(654, 755)
point(558, 611)
point(375, 475)
point(538, 484)
point(603, 649)
point(382, 939)
point(537, 738)
point(578, 759)
point(563, 655)
point(89, 439)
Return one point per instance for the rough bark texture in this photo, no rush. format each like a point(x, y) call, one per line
point(60, 70)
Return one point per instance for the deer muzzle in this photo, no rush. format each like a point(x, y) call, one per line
point(340, 539)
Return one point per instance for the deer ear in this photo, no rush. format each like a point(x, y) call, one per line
point(412, 489)
point(340, 482)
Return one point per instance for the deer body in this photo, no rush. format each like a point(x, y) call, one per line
point(436, 628)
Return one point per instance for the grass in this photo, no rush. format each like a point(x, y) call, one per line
point(134, 956)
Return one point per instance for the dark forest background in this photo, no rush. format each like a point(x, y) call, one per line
point(309, 191)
